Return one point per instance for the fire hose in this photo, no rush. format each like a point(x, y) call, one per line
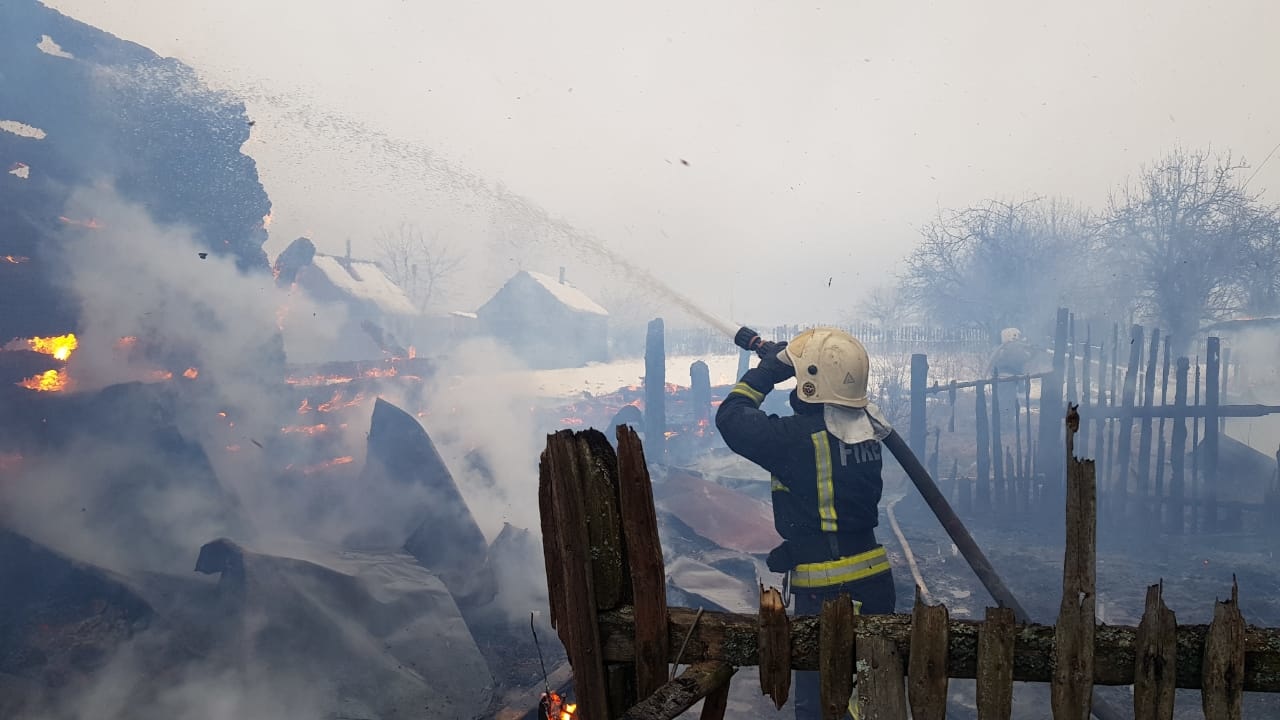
point(749, 340)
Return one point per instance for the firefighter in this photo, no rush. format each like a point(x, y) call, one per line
point(1012, 357)
point(824, 463)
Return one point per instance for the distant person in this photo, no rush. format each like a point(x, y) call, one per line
point(1013, 357)
point(825, 464)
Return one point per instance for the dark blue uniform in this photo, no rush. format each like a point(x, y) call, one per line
point(825, 498)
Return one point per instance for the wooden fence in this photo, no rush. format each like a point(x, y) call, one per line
point(607, 595)
point(877, 339)
point(1153, 475)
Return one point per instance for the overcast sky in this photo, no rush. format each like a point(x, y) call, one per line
point(818, 136)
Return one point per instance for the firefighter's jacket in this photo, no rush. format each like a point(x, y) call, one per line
point(825, 492)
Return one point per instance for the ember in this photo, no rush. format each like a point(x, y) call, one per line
point(305, 429)
point(191, 373)
point(309, 469)
point(554, 707)
point(47, 381)
point(14, 259)
point(336, 403)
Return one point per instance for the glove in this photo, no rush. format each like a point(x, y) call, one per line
point(775, 362)
point(780, 559)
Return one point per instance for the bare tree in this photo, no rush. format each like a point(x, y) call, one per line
point(885, 306)
point(999, 264)
point(423, 267)
point(1195, 244)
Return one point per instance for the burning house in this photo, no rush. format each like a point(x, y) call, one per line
point(547, 323)
point(373, 309)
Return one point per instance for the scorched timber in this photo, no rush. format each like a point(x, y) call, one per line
point(732, 638)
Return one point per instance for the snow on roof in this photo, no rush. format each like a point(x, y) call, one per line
point(567, 294)
point(366, 281)
point(464, 314)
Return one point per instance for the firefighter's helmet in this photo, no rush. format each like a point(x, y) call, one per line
point(831, 367)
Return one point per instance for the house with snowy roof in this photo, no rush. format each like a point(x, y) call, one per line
point(547, 323)
point(375, 309)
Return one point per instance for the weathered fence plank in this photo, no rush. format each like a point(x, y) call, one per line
point(835, 650)
point(561, 468)
point(1155, 668)
point(1212, 385)
point(1124, 441)
point(1072, 686)
point(927, 668)
point(715, 703)
point(1144, 432)
point(1224, 661)
point(695, 683)
point(775, 647)
point(919, 423)
point(1086, 400)
point(648, 574)
point(1049, 453)
point(999, 491)
point(995, 665)
point(880, 681)
point(982, 430)
point(1178, 449)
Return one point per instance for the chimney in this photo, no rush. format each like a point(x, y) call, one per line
point(561, 274)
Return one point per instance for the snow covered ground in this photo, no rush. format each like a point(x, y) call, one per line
point(604, 378)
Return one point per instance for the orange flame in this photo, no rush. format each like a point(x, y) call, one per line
point(266, 221)
point(127, 342)
point(60, 347)
point(306, 429)
point(159, 375)
point(309, 469)
point(91, 223)
point(47, 381)
point(191, 373)
point(14, 259)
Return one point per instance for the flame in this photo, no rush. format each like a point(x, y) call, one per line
point(47, 381)
point(159, 375)
point(670, 434)
point(60, 347)
point(381, 372)
point(306, 429)
point(10, 461)
point(127, 342)
point(14, 259)
point(305, 407)
point(191, 373)
point(319, 380)
point(309, 469)
point(91, 223)
point(266, 221)
point(555, 708)
point(336, 403)
point(413, 352)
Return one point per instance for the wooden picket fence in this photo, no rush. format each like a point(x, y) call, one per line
point(607, 595)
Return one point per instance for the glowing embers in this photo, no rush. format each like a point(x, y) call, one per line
point(14, 259)
point(321, 466)
point(47, 381)
point(90, 224)
point(60, 347)
point(305, 429)
point(554, 707)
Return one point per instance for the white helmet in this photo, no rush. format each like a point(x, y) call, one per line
point(831, 367)
point(1009, 335)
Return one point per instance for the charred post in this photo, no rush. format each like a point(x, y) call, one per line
point(1124, 441)
point(983, 432)
point(644, 552)
point(995, 665)
point(775, 647)
point(1072, 686)
point(700, 680)
point(919, 383)
point(1144, 433)
point(1155, 666)
point(1212, 385)
point(1178, 449)
point(655, 391)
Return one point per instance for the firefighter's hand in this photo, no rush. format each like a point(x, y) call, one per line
point(774, 361)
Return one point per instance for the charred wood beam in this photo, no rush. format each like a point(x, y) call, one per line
point(733, 638)
point(934, 389)
point(671, 700)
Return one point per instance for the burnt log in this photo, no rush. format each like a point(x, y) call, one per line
point(699, 681)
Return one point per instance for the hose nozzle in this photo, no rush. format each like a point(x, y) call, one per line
point(748, 339)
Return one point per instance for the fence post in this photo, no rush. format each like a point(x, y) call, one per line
point(1084, 388)
point(982, 432)
point(1178, 448)
point(1072, 686)
point(1160, 438)
point(1211, 387)
point(919, 382)
point(1144, 434)
point(1049, 453)
point(999, 491)
point(655, 392)
point(700, 391)
point(1124, 441)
